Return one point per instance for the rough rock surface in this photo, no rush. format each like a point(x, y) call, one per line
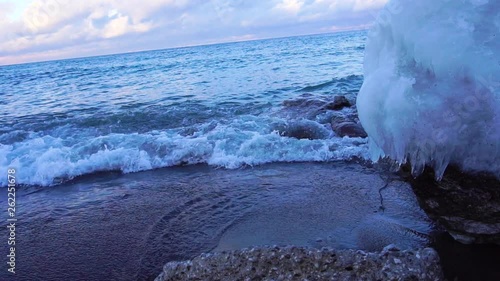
point(304, 129)
point(466, 206)
point(350, 129)
point(293, 263)
point(338, 103)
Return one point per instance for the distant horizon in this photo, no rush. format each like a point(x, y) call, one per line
point(48, 30)
point(187, 46)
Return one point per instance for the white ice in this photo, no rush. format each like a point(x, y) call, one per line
point(431, 89)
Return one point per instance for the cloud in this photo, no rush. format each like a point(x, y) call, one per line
point(47, 28)
point(290, 6)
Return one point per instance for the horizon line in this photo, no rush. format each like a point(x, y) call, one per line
point(188, 46)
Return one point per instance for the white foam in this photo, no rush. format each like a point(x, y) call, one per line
point(47, 160)
point(430, 93)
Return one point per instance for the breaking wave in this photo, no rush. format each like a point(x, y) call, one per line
point(43, 159)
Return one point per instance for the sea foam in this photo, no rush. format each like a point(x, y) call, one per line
point(47, 160)
point(430, 93)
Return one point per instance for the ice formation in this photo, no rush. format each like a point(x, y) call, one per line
point(431, 89)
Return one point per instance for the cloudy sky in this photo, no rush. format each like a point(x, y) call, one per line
point(37, 30)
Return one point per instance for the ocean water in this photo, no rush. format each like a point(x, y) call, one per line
point(126, 162)
point(227, 105)
point(110, 226)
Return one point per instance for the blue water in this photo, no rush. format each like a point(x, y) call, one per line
point(179, 115)
point(227, 105)
point(110, 226)
point(79, 124)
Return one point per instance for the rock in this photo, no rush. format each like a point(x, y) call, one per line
point(467, 206)
point(467, 262)
point(295, 263)
point(340, 118)
point(350, 129)
point(338, 103)
point(304, 102)
point(306, 106)
point(304, 129)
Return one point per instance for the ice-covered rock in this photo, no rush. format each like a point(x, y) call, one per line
point(431, 89)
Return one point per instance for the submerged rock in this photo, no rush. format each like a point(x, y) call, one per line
point(467, 206)
point(305, 100)
point(294, 263)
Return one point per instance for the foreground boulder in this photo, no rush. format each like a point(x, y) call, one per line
point(293, 263)
point(467, 206)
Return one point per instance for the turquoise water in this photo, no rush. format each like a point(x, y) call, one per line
point(227, 105)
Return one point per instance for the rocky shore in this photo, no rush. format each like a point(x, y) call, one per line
point(294, 263)
point(465, 205)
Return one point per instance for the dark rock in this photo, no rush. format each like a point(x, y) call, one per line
point(466, 205)
point(305, 129)
point(304, 102)
point(338, 103)
point(305, 106)
point(350, 129)
point(295, 263)
point(337, 119)
point(467, 262)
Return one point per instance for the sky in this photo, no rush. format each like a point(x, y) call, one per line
point(39, 30)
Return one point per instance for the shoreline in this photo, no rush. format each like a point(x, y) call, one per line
point(297, 263)
point(193, 206)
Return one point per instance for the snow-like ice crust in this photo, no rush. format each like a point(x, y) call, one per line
point(431, 89)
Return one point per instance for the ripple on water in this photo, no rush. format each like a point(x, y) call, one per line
point(129, 226)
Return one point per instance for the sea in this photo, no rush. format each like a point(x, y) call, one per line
point(125, 162)
point(222, 105)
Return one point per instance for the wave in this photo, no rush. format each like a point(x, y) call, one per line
point(431, 94)
point(51, 159)
point(351, 83)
